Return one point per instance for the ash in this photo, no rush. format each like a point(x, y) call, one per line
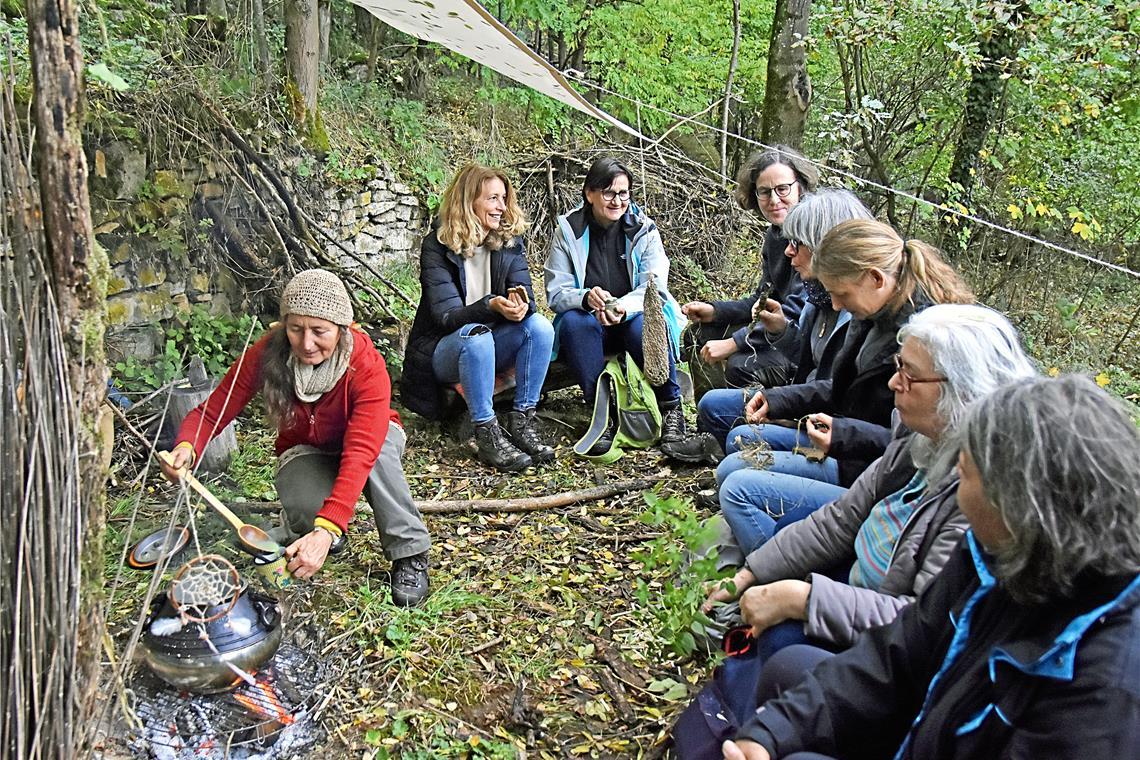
point(275, 719)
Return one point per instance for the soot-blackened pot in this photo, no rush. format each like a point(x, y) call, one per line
point(246, 637)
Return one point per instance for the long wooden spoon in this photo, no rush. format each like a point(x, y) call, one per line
point(253, 538)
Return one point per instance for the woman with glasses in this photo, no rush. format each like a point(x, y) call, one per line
point(882, 281)
point(477, 317)
point(727, 343)
point(878, 545)
point(600, 261)
point(1025, 645)
point(814, 339)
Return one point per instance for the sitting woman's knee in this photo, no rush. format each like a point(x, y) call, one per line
point(538, 326)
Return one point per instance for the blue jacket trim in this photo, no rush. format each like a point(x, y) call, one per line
point(961, 634)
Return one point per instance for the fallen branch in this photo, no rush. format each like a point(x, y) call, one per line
point(532, 504)
point(535, 503)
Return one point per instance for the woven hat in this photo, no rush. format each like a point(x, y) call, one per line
point(317, 293)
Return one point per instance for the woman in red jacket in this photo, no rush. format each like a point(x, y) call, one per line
point(325, 386)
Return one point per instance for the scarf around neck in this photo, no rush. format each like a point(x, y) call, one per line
point(817, 295)
point(312, 382)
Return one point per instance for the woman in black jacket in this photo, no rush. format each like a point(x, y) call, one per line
point(1025, 645)
point(476, 318)
point(725, 344)
point(881, 280)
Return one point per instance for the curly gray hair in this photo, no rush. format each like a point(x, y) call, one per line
point(977, 350)
point(1060, 461)
point(814, 216)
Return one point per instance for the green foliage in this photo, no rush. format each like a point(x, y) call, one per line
point(675, 606)
point(219, 340)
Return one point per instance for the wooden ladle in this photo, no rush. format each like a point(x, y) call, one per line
point(253, 539)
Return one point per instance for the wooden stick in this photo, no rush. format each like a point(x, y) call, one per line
point(531, 504)
point(535, 503)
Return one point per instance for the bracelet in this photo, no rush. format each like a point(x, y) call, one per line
point(323, 529)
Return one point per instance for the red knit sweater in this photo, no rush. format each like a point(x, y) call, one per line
point(352, 418)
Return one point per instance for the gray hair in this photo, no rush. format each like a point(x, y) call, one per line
point(977, 350)
point(1060, 461)
point(814, 216)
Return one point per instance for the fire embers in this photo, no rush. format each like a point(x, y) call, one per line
point(275, 716)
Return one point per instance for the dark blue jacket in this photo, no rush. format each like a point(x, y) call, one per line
point(443, 309)
point(967, 673)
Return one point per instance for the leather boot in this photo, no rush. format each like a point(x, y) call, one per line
point(496, 450)
point(410, 580)
point(672, 423)
point(523, 430)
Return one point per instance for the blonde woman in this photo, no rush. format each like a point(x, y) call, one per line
point(881, 279)
point(477, 317)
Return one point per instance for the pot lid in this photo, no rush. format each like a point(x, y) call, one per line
point(159, 545)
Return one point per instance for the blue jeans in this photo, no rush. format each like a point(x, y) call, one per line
point(782, 441)
point(473, 354)
point(720, 410)
point(758, 503)
point(585, 343)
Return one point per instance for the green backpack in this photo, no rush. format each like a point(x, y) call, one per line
point(622, 390)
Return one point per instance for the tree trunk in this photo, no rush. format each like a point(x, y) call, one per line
point(363, 21)
point(728, 88)
point(302, 69)
point(325, 16)
point(982, 98)
point(51, 625)
point(787, 93)
point(261, 41)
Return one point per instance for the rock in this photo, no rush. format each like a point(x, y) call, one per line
point(149, 276)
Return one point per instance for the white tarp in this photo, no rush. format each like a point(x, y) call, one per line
point(467, 28)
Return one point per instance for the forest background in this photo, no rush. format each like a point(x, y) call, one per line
point(1024, 114)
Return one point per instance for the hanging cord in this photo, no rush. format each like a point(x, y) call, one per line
point(864, 182)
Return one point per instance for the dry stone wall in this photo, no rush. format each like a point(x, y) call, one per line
point(160, 269)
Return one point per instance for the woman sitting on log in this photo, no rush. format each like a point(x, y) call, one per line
point(815, 338)
point(889, 535)
point(602, 257)
point(325, 386)
point(1025, 645)
point(477, 318)
point(770, 182)
point(882, 280)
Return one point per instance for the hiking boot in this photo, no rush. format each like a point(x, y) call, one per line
point(410, 580)
point(523, 430)
point(603, 444)
point(701, 448)
point(338, 545)
point(672, 424)
point(496, 450)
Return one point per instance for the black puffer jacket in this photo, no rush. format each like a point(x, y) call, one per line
point(860, 402)
point(443, 309)
point(967, 673)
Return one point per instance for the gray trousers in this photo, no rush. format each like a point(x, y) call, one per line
point(306, 479)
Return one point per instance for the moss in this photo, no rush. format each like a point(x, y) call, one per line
point(150, 276)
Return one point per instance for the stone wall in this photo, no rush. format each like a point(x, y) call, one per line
point(164, 262)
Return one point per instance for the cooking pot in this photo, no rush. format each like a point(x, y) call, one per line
point(246, 637)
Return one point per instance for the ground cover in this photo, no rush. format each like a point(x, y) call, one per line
point(555, 633)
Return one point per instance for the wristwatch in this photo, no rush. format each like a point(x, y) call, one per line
point(323, 529)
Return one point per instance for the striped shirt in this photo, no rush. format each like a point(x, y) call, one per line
point(879, 533)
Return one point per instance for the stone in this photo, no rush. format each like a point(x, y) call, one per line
point(398, 240)
point(121, 254)
point(380, 207)
point(199, 281)
point(367, 245)
point(117, 285)
point(149, 276)
point(404, 213)
point(399, 188)
point(409, 200)
point(211, 191)
point(364, 198)
point(118, 311)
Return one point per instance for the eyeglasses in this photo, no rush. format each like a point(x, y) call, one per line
point(907, 379)
point(781, 191)
point(609, 195)
point(795, 243)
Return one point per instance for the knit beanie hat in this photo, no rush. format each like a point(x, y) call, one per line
point(317, 293)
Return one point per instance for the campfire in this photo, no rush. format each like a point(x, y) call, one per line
point(275, 716)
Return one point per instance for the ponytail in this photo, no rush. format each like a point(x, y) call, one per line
point(924, 268)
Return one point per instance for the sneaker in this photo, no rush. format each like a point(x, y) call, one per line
point(673, 424)
point(523, 431)
point(410, 580)
point(701, 448)
point(496, 450)
point(338, 545)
